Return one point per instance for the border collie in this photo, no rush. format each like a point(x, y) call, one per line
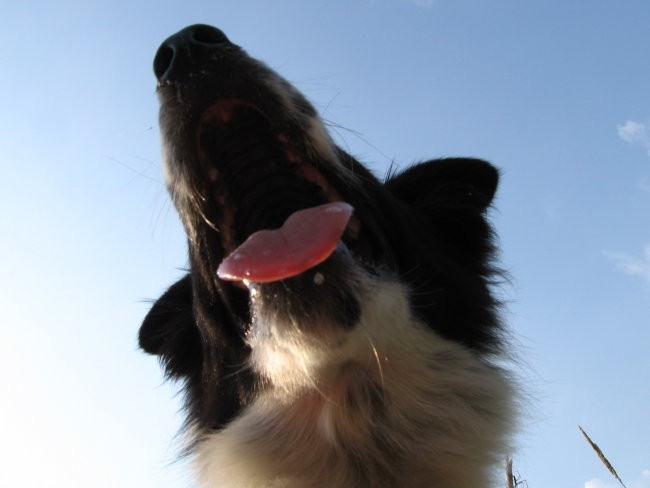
point(334, 330)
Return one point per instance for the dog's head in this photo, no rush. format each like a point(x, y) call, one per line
point(243, 151)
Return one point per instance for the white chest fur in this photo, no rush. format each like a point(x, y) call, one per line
point(388, 404)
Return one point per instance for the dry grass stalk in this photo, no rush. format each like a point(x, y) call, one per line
point(510, 479)
point(602, 457)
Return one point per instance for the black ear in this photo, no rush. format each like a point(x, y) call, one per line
point(169, 330)
point(450, 197)
point(454, 182)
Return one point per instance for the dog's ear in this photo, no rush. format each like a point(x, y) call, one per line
point(170, 332)
point(451, 196)
point(461, 183)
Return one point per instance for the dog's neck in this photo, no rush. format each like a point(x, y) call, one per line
point(388, 403)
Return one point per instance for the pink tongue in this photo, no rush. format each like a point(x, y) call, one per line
point(307, 238)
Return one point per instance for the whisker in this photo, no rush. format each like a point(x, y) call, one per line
point(313, 383)
point(375, 353)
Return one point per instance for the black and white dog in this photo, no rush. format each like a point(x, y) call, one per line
point(374, 366)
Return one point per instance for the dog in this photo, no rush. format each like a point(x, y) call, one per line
point(375, 364)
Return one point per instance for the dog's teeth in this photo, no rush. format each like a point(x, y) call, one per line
point(319, 279)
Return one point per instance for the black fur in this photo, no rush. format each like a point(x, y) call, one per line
point(426, 225)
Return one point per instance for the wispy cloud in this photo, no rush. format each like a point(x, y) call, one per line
point(642, 482)
point(596, 483)
point(632, 265)
point(635, 133)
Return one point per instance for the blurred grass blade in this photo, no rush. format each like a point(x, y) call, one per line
point(510, 479)
point(602, 457)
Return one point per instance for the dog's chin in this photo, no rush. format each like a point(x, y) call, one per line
point(326, 296)
point(302, 327)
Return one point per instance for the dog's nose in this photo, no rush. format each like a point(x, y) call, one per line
point(180, 54)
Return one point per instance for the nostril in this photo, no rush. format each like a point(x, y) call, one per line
point(206, 34)
point(186, 51)
point(163, 60)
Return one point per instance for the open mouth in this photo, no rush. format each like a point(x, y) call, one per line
point(276, 212)
point(306, 239)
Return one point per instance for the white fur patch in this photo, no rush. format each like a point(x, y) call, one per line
point(318, 141)
point(386, 404)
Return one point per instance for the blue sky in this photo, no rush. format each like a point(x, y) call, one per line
point(557, 94)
